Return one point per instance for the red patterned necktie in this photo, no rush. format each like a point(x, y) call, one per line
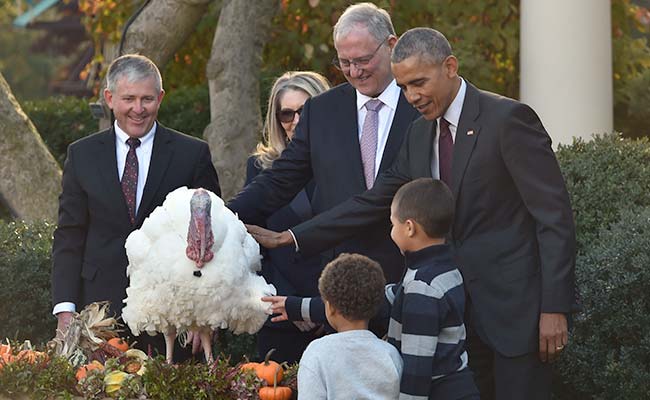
point(445, 152)
point(130, 177)
point(368, 141)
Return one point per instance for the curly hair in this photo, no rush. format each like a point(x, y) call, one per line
point(354, 285)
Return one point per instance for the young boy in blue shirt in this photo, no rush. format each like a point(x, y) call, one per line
point(427, 307)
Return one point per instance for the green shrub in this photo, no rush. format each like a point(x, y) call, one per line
point(604, 176)
point(61, 121)
point(26, 308)
point(186, 110)
point(609, 352)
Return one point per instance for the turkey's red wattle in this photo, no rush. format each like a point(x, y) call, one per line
point(199, 234)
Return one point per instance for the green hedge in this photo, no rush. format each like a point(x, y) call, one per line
point(608, 179)
point(26, 308)
point(609, 354)
point(604, 176)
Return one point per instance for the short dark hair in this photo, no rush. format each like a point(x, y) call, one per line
point(421, 42)
point(354, 285)
point(428, 202)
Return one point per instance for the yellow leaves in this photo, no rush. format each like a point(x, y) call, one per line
point(113, 381)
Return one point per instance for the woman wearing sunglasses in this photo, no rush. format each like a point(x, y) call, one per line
point(290, 274)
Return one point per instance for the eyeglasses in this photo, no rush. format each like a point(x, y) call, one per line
point(360, 62)
point(287, 115)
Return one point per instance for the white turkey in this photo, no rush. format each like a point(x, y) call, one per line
point(192, 266)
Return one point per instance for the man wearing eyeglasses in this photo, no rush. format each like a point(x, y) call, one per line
point(345, 137)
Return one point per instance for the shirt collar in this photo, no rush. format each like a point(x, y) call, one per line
point(433, 255)
point(122, 136)
point(452, 115)
point(390, 96)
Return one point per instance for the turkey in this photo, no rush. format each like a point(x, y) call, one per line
point(192, 266)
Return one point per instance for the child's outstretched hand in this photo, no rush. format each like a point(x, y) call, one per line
point(277, 307)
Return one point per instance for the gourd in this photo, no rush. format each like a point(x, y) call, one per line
point(268, 370)
point(275, 393)
point(119, 344)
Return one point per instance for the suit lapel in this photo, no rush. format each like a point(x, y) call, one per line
point(106, 157)
point(404, 115)
point(349, 135)
point(466, 135)
point(160, 157)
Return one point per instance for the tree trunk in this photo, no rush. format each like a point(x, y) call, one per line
point(30, 178)
point(233, 77)
point(162, 27)
point(157, 32)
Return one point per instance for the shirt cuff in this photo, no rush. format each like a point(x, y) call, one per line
point(64, 307)
point(295, 241)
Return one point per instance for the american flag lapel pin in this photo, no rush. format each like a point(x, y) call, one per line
point(470, 132)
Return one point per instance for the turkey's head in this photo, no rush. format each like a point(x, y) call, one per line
point(199, 234)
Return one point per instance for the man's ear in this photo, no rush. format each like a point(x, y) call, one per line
point(392, 39)
point(450, 65)
point(108, 97)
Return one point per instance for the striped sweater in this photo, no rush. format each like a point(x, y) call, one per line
point(426, 320)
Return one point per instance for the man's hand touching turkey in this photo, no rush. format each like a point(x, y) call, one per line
point(268, 238)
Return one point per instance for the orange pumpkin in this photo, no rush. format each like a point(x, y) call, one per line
point(275, 393)
point(6, 358)
point(82, 372)
point(119, 344)
point(31, 356)
point(269, 370)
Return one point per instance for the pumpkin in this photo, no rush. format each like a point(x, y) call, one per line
point(82, 372)
point(31, 356)
point(6, 358)
point(119, 344)
point(275, 393)
point(269, 370)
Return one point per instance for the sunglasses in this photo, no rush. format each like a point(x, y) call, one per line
point(286, 115)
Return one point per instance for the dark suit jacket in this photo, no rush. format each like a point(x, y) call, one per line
point(89, 259)
point(290, 273)
point(513, 230)
point(325, 148)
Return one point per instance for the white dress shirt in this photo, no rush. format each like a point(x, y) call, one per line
point(143, 152)
point(390, 97)
point(452, 115)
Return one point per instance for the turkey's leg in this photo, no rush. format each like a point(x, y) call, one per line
point(170, 336)
point(206, 341)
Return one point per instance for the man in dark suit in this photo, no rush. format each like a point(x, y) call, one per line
point(513, 230)
point(112, 180)
point(327, 143)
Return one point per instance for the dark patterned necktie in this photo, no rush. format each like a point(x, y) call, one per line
point(130, 177)
point(445, 152)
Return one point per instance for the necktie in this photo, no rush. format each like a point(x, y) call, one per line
point(130, 177)
point(445, 152)
point(368, 141)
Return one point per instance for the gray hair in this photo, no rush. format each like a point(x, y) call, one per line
point(375, 19)
point(133, 68)
point(425, 42)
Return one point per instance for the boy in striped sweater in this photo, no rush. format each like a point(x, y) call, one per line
point(427, 307)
